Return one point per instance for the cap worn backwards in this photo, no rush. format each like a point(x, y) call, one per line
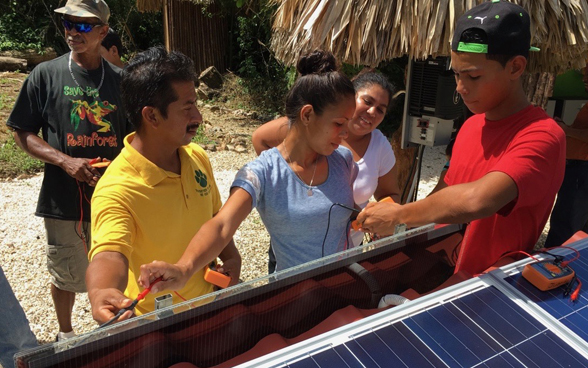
point(86, 9)
point(506, 25)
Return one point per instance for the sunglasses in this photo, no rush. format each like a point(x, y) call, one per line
point(79, 27)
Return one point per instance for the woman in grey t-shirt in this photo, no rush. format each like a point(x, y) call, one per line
point(294, 186)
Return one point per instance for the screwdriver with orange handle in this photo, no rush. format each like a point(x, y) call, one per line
point(98, 164)
point(355, 225)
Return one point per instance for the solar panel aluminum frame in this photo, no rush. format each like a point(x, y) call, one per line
point(102, 339)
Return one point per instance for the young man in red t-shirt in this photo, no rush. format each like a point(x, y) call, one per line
point(508, 159)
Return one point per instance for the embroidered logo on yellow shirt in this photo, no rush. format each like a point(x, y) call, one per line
point(202, 180)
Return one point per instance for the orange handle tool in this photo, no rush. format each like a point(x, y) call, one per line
point(100, 164)
point(216, 278)
point(355, 226)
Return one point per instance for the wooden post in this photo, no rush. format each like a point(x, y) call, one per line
point(166, 25)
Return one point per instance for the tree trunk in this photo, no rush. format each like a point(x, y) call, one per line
point(538, 87)
point(31, 56)
point(404, 159)
point(10, 64)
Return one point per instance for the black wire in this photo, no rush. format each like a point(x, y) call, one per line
point(329, 223)
point(421, 152)
point(557, 259)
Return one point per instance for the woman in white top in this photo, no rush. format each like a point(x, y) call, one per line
point(371, 150)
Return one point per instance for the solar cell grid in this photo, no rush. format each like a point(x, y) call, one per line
point(481, 329)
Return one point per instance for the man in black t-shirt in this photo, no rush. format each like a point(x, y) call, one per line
point(75, 102)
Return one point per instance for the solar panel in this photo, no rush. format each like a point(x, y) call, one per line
point(497, 320)
point(572, 315)
point(481, 329)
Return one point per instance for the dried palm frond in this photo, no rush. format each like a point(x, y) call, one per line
point(366, 32)
point(152, 6)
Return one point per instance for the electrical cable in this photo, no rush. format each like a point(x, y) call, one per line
point(563, 263)
point(370, 281)
point(329, 223)
point(79, 227)
point(421, 152)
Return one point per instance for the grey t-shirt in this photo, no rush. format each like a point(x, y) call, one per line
point(297, 222)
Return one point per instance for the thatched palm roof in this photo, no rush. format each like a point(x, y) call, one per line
point(366, 32)
point(153, 6)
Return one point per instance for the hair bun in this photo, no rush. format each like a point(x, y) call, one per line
point(316, 62)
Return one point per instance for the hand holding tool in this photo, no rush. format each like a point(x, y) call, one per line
point(133, 304)
point(216, 278)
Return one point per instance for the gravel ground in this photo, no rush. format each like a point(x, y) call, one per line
point(22, 241)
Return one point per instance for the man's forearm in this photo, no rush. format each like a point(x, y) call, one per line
point(463, 202)
point(230, 252)
point(33, 145)
point(107, 270)
point(451, 205)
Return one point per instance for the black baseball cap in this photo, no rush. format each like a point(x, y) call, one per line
point(506, 25)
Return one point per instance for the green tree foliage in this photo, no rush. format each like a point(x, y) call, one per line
point(394, 71)
point(263, 78)
point(25, 25)
point(33, 24)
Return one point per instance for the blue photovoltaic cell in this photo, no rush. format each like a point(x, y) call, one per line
point(408, 347)
point(572, 315)
point(329, 357)
point(347, 356)
point(481, 329)
point(306, 363)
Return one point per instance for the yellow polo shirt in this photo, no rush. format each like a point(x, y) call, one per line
point(147, 213)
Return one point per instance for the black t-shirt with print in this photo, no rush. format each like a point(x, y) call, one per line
point(80, 121)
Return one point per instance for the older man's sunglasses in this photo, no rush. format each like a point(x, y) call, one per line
point(80, 27)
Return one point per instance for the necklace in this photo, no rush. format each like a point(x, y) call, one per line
point(74, 78)
point(309, 187)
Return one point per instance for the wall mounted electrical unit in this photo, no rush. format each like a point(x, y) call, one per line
point(431, 105)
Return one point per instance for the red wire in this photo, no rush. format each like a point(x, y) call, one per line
point(576, 293)
point(516, 252)
point(564, 263)
point(82, 236)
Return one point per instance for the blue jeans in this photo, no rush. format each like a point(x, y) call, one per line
point(15, 333)
point(570, 213)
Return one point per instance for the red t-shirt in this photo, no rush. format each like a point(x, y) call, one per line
point(529, 147)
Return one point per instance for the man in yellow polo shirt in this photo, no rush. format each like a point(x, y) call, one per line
point(157, 193)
